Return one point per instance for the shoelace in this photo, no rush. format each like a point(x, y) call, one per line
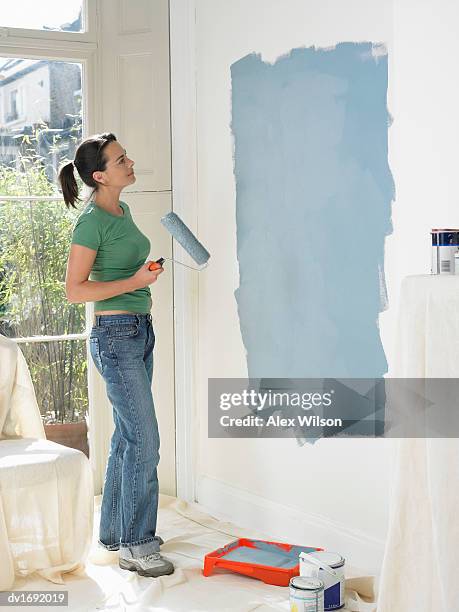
point(152, 557)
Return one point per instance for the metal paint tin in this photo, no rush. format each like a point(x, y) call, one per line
point(333, 585)
point(445, 244)
point(306, 594)
point(456, 262)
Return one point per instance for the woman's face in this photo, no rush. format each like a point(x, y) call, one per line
point(119, 170)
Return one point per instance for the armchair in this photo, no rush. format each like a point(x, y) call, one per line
point(46, 489)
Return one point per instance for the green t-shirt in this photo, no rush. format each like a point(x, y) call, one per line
point(121, 250)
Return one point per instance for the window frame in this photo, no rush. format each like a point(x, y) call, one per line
point(80, 48)
point(51, 45)
point(89, 20)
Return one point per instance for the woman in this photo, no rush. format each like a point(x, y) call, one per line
point(107, 244)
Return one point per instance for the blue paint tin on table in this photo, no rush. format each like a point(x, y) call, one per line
point(445, 244)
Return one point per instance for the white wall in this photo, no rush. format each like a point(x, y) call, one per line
point(424, 139)
point(336, 492)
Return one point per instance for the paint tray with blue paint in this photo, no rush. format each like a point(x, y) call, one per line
point(271, 562)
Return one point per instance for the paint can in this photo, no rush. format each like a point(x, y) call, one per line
point(456, 262)
point(445, 244)
point(306, 594)
point(329, 568)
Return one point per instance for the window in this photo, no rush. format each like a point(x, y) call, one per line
point(13, 106)
point(57, 15)
point(35, 230)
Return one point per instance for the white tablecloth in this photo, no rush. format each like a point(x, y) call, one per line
point(420, 569)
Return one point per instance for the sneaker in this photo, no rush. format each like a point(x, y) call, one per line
point(152, 565)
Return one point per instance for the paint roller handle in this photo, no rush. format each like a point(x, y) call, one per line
point(156, 265)
point(146, 275)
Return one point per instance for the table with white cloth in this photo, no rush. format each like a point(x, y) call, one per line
point(421, 561)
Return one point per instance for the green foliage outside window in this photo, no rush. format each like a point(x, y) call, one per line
point(34, 243)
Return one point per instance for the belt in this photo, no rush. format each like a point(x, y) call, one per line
point(96, 319)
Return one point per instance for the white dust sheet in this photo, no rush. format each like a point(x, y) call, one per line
point(188, 533)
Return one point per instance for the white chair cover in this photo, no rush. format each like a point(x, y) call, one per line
point(46, 489)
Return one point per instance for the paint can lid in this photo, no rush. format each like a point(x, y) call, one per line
point(306, 584)
point(331, 559)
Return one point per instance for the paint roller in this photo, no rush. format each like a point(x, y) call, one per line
point(186, 239)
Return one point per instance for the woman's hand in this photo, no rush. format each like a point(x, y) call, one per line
point(144, 276)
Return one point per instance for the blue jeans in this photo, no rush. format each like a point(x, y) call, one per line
point(121, 347)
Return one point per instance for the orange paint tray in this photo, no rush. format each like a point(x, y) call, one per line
point(271, 562)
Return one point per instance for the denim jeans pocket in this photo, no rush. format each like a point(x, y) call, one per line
point(94, 349)
point(123, 330)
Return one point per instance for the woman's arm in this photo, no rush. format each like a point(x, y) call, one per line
point(79, 289)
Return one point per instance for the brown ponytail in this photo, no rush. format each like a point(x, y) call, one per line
point(68, 185)
point(89, 158)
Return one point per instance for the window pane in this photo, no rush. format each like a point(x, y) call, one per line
point(59, 375)
point(34, 243)
point(40, 128)
point(40, 113)
point(61, 15)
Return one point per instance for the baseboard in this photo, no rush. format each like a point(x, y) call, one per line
point(288, 524)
